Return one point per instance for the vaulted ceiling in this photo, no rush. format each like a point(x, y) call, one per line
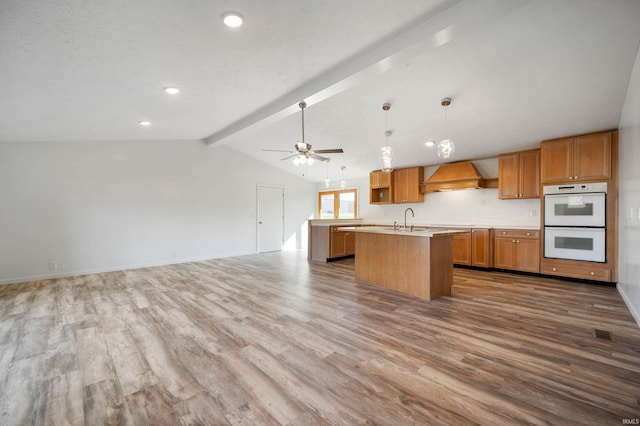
point(519, 72)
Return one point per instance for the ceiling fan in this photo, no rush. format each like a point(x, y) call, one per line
point(303, 153)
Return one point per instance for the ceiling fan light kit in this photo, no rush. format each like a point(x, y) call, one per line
point(303, 153)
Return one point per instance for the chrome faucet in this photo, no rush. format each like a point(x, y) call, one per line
point(405, 216)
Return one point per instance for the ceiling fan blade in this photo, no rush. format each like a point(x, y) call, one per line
point(329, 151)
point(277, 150)
point(289, 156)
point(319, 157)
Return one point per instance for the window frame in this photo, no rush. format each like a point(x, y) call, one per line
point(336, 201)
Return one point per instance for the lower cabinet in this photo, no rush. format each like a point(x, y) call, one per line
point(594, 272)
point(327, 242)
point(342, 243)
point(517, 250)
point(472, 248)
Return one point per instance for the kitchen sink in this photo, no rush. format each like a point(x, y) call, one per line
point(405, 229)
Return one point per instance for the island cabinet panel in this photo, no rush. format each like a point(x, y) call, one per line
point(517, 250)
point(577, 159)
point(406, 185)
point(380, 187)
point(519, 175)
point(418, 266)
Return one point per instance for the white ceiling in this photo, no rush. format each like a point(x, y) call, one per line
point(518, 71)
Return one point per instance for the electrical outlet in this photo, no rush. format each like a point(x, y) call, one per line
point(533, 213)
point(53, 265)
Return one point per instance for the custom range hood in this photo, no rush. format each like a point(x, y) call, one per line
point(451, 177)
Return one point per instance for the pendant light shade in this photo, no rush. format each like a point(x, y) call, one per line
point(446, 147)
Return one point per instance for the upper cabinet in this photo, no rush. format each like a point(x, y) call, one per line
point(380, 187)
point(406, 185)
point(519, 175)
point(578, 159)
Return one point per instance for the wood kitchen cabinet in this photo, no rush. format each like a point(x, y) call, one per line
point(328, 242)
point(472, 248)
point(342, 243)
point(462, 248)
point(517, 250)
point(577, 159)
point(380, 187)
point(406, 185)
point(519, 175)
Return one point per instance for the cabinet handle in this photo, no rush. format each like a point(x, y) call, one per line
point(528, 234)
point(570, 177)
point(593, 273)
point(504, 233)
point(575, 177)
point(554, 269)
point(517, 241)
point(513, 241)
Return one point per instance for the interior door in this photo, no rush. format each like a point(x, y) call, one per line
point(270, 218)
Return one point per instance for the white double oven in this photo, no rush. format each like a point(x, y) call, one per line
point(575, 221)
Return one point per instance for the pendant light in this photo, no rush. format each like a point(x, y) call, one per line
point(446, 148)
point(386, 152)
point(343, 183)
point(327, 182)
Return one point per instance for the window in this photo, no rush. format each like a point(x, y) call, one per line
point(339, 204)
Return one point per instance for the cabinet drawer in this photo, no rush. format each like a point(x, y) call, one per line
point(584, 272)
point(516, 233)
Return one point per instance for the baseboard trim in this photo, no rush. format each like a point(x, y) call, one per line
point(627, 301)
point(66, 274)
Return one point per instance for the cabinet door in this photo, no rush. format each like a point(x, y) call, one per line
point(505, 256)
point(557, 160)
point(528, 255)
point(508, 176)
point(374, 179)
point(406, 185)
point(592, 157)
point(480, 248)
point(399, 186)
point(413, 176)
point(379, 179)
point(462, 249)
point(338, 244)
point(350, 239)
point(530, 174)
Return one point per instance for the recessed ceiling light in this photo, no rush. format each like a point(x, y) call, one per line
point(172, 90)
point(429, 144)
point(144, 123)
point(232, 19)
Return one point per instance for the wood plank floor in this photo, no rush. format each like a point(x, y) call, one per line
point(273, 339)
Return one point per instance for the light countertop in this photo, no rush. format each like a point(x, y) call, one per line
point(417, 232)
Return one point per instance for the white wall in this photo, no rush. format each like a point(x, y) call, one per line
point(629, 241)
point(98, 206)
point(468, 207)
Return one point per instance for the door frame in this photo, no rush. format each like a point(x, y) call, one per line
point(258, 187)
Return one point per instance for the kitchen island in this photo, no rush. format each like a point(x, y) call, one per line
point(417, 262)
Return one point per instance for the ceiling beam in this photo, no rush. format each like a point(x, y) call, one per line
point(450, 21)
